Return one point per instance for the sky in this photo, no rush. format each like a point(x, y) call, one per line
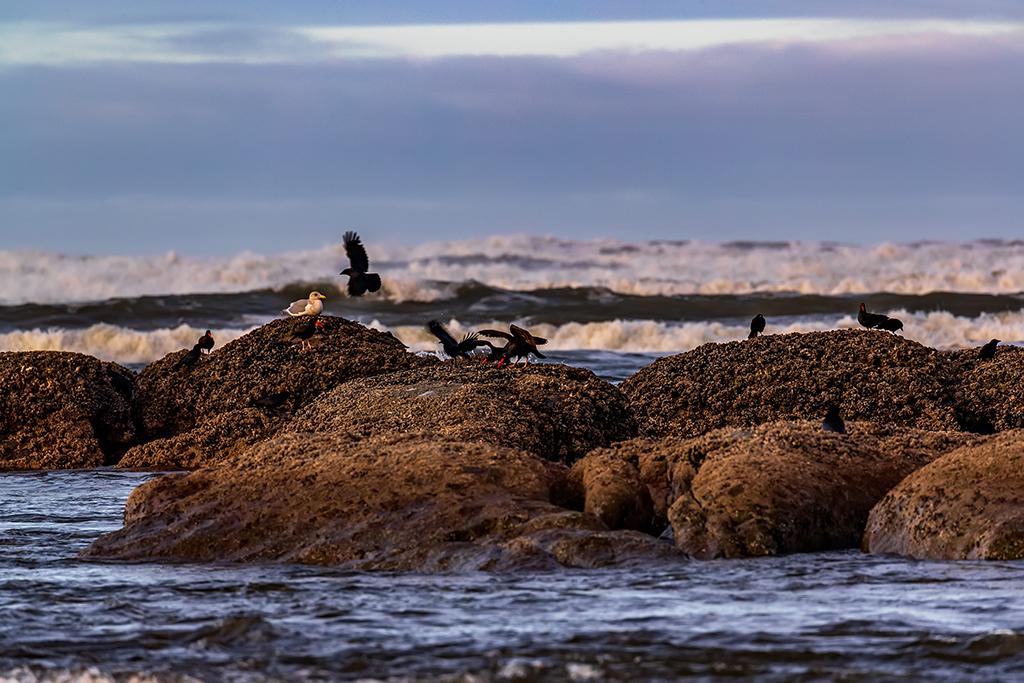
point(218, 127)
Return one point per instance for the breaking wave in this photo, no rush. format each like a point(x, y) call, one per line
point(432, 271)
point(936, 329)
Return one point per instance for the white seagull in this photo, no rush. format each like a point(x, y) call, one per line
point(311, 306)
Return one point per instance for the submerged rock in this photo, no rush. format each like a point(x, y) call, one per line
point(386, 503)
point(63, 410)
point(871, 375)
point(190, 416)
point(553, 411)
point(778, 488)
point(968, 504)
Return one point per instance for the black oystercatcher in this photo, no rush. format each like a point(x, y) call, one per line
point(359, 281)
point(311, 306)
point(756, 326)
point(304, 332)
point(870, 320)
point(190, 358)
point(833, 422)
point(988, 351)
point(893, 325)
point(206, 341)
point(451, 347)
point(520, 344)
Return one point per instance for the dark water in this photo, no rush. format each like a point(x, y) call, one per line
point(829, 617)
point(475, 303)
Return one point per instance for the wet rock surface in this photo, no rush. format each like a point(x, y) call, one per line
point(266, 365)
point(385, 503)
point(782, 487)
point(871, 375)
point(63, 410)
point(553, 411)
point(968, 504)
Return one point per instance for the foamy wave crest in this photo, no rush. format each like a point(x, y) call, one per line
point(937, 329)
point(110, 342)
point(426, 272)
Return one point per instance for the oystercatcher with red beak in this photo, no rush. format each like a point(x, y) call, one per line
point(519, 344)
point(206, 341)
point(305, 332)
point(190, 358)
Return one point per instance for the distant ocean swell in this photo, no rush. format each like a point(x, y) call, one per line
point(936, 329)
point(421, 272)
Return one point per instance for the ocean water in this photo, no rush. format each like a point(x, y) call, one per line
point(599, 302)
point(837, 616)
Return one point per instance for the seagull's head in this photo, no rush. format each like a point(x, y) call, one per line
point(313, 296)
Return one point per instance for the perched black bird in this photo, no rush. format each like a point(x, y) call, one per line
point(756, 326)
point(870, 320)
point(833, 422)
point(891, 324)
point(988, 351)
point(519, 344)
point(451, 347)
point(206, 341)
point(304, 332)
point(359, 281)
point(190, 358)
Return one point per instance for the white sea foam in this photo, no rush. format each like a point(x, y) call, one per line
point(936, 329)
point(526, 262)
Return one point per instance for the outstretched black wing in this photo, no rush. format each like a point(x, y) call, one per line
point(525, 336)
point(470, 342)
point(357, 257)
point(497, 334)
point(437, 329)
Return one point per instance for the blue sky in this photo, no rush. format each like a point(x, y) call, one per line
point(217, 127)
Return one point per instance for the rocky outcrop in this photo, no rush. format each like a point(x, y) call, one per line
point(190, 416)
point(63, 410)
point(385, 503)
point(968, 504)
point(990, 393)
point(778, 488)
point(552, 411)
point(871, 375)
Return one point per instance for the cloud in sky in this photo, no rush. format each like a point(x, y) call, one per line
point(212, 136)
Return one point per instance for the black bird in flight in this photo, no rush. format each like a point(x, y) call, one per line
point(833, 422)
point(206, 341)
point(359, 281)
point(756, 326)
point(519, 343)
point(305, 332)
point(454, 349)
point(988, 351)
point(190, 358)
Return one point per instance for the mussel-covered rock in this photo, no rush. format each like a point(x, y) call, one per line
point(63, 410)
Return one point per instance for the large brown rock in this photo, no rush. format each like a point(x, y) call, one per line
point(611, 489)
point(778, 488)
point(871, 375)
point(194, 416)
point(968, 504)
point(553, 411)
point(388, 503)
point(63, 410)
